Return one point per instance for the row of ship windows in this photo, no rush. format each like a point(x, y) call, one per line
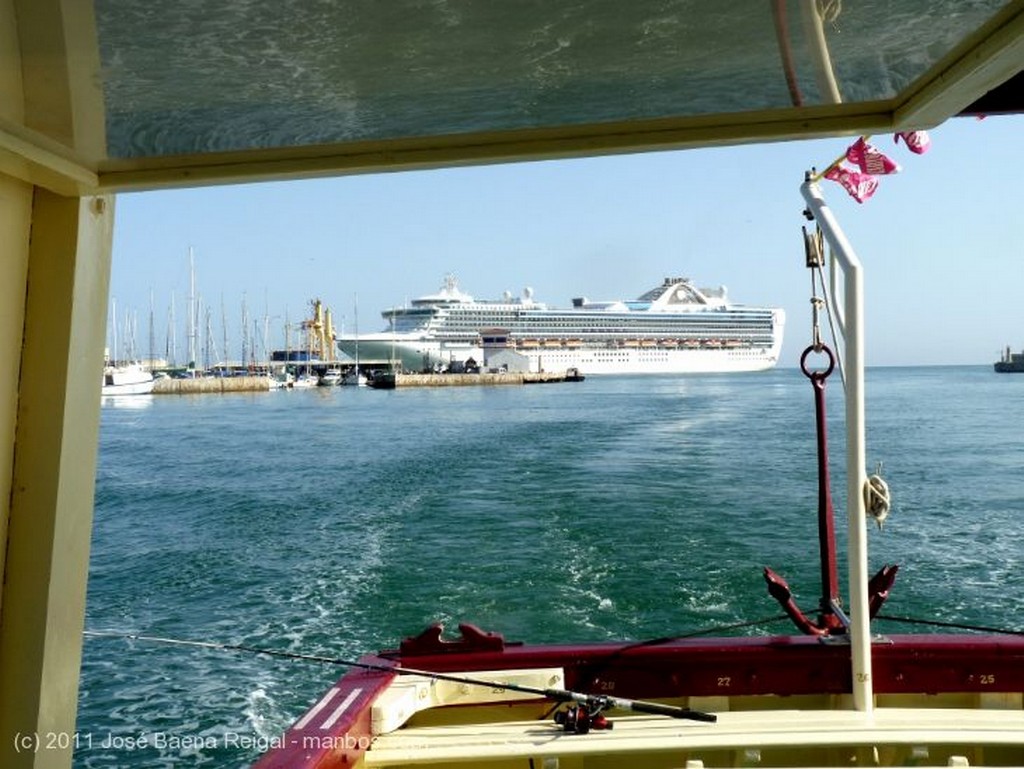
point(602, 323)
point(693, 332)
point(477, 319)
point(533, 316)
point(599, 355)
point(636, 328)
point(583, 341)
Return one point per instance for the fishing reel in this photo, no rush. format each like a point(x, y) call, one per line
point(580, 719)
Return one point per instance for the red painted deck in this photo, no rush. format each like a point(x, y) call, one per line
point(335, 731)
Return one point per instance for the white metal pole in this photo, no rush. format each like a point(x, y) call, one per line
point(856, 478)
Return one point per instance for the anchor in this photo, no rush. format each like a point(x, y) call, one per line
point(830, 620)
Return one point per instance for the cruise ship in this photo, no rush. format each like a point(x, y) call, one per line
point(675, 328)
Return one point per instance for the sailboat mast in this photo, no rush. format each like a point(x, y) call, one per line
point(192, 309)
point(246, 357)
point(287, 340)
point(224, 330)
point(201, 346)
point(208, 352)
point(152, 332)
point(173, 333)
point(113, 331)
point(266, 338)
point(130, 319)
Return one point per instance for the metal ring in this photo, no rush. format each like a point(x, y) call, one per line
point(817, 374)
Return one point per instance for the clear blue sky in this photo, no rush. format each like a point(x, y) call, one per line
point(941, 242)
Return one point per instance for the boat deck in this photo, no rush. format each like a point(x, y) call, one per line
point(886, 737)
point(779, 702)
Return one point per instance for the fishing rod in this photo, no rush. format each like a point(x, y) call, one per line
point(585, 715)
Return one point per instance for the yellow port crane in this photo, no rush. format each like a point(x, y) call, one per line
point(320, 337)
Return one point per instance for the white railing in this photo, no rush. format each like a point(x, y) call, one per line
point(851, 311)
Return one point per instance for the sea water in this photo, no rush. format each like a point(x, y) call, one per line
point(337, 521)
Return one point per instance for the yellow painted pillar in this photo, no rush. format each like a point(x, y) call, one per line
point(54, 281)
point(15, 218)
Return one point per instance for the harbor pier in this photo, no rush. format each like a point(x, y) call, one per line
point(388, 381)
point(213, 384)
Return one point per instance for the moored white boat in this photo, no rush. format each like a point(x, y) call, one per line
point(305, 380)
point(331, 377)
point(354, 378)
point(130, 379)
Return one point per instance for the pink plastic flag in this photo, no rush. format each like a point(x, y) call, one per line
point(869, 159)
point(917, 141)
point(860, 186)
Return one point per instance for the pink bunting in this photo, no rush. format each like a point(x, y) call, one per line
point(861, 186)
point(869, 159)
point(917, 141)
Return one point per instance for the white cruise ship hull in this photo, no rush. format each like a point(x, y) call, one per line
point(656, 361)
point(423, 354)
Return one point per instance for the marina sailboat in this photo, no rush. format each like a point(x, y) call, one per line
point(123, 377)
point(355, 377)
point(305, 379)
point(127, 379)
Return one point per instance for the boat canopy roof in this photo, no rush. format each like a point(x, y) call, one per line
point(108, 97)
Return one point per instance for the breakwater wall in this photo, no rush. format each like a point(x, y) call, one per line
point(227, 384)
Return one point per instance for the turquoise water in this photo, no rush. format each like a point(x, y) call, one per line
point(339, 520)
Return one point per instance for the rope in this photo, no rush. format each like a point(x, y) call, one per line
point(600, 665)
point(831, 326)
point(954, 625)
point(592, 701)
point(352, 663)
point(706, 631)
point(786, 52)
point(734, 626)
point(228, 647)
point(816, 304)
point(817, 48)
point(876, 497)
point(829, 10)
point(815, 260)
